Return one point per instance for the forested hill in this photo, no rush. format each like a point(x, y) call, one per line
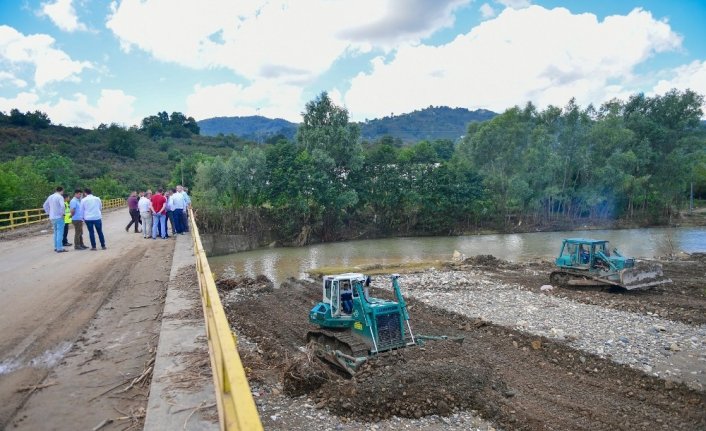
point(255, 128)
point(431, 123)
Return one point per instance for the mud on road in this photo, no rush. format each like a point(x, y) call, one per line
point(515, 380)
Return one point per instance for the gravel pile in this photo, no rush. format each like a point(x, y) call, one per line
point(657, 346)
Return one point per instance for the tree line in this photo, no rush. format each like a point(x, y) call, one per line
point(36, 156)
point(629, 159)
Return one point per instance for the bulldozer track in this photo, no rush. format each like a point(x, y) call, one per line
point(563, 278)
point(354, 346)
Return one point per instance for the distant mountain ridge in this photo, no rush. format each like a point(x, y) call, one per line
point(256, 128)
point(430, 123)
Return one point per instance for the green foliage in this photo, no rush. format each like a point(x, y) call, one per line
point(176, 125)
point(22, 185)
point(35, 120)
point(121, 141)
point(625, 159)
point(106, 187)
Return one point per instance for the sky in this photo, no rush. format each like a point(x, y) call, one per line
point(87, 62)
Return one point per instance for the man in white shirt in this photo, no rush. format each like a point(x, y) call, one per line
point(178, 206)
point(91, 207)
point(144, 206)
point(55, 208)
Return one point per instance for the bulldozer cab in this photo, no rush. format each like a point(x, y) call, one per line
point(339, 291)
point(582, 253)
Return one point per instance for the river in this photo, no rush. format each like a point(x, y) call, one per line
point(281, 263)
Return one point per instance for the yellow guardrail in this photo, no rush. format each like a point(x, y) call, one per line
point(13, 219)
point(236, 406)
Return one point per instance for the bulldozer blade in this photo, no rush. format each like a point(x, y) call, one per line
point(643, 276)
point(350, 364)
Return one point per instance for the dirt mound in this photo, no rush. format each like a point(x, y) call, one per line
point(483, 260)
point(434, 380)
point(305, 375)
point(236, 289)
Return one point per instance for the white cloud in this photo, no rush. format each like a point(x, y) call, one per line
point(113, 106)
point(265, 97)
point(37, 50)
point(293, 41)
point(515, 4)
point(546, 56)
point(691, 76)
point(487, 11)
point(9, 78)
point(63, 15)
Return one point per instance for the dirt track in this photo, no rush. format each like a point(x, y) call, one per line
point(77, 324)
point(513, 379)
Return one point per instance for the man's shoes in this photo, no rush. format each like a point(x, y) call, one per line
point(127, 228)
point(103, 247)
point(67, 244)
point(93, 249)
point(61, 251)
point(83, 247)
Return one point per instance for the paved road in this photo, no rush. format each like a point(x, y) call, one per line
point(47, 298)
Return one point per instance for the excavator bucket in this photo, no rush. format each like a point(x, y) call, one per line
point(643, 276)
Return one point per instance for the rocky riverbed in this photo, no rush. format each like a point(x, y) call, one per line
point(655, 345)
point(534, 356)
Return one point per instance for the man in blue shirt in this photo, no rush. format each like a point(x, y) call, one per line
point(77, 220)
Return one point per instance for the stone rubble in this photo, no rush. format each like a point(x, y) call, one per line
point(655, 345)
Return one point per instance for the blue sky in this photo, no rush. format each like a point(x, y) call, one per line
point(87, 62)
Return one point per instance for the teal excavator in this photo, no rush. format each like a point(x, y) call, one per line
point(353, 326)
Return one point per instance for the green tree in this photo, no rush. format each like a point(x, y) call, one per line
point(121, 141)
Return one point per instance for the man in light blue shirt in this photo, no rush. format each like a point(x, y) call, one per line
point(55, 208)
point(91, 207)
point(77, 220)
point(187, 205)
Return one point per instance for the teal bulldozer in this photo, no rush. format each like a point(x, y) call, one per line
point(589, 262)
point(353, 326)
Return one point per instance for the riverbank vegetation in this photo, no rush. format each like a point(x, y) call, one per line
point(524, 169)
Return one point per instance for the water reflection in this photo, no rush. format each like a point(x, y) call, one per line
point(280, 263)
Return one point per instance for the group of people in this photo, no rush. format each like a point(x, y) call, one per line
point(84, 207)
point(153, 211)
point(149, 210)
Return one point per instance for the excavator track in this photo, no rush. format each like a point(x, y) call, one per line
point(339, 340)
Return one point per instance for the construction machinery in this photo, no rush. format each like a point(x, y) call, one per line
point(353, 326)
point(589, 262)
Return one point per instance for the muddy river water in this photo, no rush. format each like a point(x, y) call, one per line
point(280, 263)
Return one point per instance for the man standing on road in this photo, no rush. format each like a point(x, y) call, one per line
point(134, 212)
point(179, 205)
point(187, 205)
point(54, 207)
point(67, 221)
point(158, 205)
point(91, 207)
point(77, 220)
point(143, 205)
